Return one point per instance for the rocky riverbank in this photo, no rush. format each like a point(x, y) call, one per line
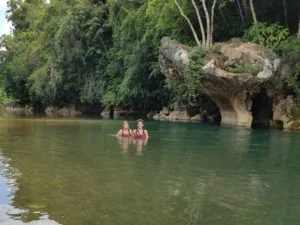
point(245, 81)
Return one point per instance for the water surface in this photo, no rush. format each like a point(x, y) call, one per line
point(76, 172)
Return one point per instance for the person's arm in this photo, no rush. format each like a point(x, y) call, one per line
point(133, 133)
point(119, 133)
point(146, 134)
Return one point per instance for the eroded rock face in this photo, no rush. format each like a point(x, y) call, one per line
point(15, 108)
point(174, 115)
point(118, 113)
point(235, 72)
point(207, 112)
point(65, 111)
point(282, 111)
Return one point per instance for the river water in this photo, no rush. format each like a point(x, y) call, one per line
point(76, 172)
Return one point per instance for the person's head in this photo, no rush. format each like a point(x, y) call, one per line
point(125, 124)
point(140, 123)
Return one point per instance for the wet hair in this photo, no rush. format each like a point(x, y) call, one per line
point(140, 120)
point(124, 122)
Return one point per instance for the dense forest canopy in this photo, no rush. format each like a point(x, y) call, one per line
point(106, 52)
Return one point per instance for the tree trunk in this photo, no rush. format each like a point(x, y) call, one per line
point(208, 32)
point(298, 34)
point(285, 13)
point(189, 22)
point(200, 22)
point(212, 22)
point(245, 6)
point(240, 11)
point(253, 11)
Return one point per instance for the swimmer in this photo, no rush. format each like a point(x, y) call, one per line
point(140, 132)
point(139, 143)
point(125, 142)
point(125, 130)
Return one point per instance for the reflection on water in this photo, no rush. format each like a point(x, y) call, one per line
point(73, 172)
point(127, 142)
point(10, 215)
point(13, 216)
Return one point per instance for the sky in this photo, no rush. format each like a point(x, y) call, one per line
point(5, 27)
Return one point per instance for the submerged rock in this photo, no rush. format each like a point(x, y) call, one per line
point(173, 116)
point(242, 79)
point(197, 117)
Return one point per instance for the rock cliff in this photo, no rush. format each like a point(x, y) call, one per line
point(244, 80)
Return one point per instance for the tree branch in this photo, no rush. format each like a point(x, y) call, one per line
point(200, 22)
point(298, 34)
point(285, 13)
point(253, 12)
point(208, 32)
point(189, 22)
point(212, 22)
point(240, 11)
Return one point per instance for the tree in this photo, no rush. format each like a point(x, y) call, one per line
point(209, 16)
point(240, 11)
point(106, 52)
point(253, 11)
point(191, 25)
point(298, 33)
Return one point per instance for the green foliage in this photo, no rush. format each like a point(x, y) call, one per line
point(193, 75)
point(294, 79)
point(60, 56)
point(238, 68)
point(268, 35)
point(228, 22)
point(3, 97)
point(92, 51)
point(289, 50)
point(295, 111)
point(133, 70)
point(187, 90)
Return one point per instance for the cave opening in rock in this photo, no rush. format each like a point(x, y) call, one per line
point(262, 110)
point(212, 112)
point(207, 110)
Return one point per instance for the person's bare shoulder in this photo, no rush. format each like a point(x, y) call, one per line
point(119, 132)
point(146, 133)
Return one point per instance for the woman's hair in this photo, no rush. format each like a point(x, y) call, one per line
point(124, 122)
point(140, 120)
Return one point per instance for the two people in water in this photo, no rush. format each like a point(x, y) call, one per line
point(138, 133)
point(139, 136)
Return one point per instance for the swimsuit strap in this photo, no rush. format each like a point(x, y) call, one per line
point(138, 132)
point(128, 132)
point(141, 135)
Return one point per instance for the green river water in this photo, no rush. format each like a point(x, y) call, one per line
point(76, 172)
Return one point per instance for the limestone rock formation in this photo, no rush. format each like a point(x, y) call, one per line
point(16, 109)
point(179, 112)
point(118, 113)
point(282, 110)
point(65, 111)
point(242, 79)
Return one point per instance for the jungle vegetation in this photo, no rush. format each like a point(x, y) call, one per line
point(106, 51)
